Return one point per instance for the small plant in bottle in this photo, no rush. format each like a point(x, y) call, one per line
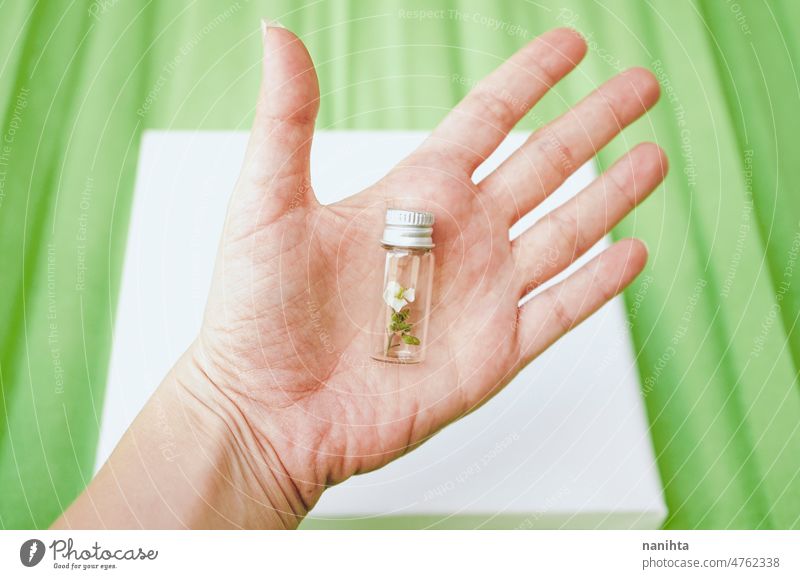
point(402, 323)
point(400, 329)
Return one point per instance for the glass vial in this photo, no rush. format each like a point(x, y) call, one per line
point(401, 326)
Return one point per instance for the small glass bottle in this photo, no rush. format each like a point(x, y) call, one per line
point(401, 325)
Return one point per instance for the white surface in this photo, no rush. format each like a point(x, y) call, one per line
point(566, 439)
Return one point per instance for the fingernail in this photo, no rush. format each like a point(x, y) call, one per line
point(267, 24)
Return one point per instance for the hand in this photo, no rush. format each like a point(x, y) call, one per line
point(285, 343)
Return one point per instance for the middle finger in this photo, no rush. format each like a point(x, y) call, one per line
point(557, 150)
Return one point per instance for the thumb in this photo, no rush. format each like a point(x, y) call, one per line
point(276, 171)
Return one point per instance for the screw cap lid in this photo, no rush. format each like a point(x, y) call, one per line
point(412, 229)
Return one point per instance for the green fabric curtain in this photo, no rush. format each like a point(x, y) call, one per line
point(713, 317)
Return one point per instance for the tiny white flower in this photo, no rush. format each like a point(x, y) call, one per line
point(396, 296)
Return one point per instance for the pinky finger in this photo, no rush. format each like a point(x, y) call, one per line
point(558, 309)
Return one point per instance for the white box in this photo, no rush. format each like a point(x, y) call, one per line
point(566, 444)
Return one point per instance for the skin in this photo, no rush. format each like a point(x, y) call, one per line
point(277, 399)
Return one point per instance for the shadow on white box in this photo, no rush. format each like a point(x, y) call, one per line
point(566, 444)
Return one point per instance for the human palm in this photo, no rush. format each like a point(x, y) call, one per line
point(287, 332)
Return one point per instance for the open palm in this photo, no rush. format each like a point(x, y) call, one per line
point(286, 335)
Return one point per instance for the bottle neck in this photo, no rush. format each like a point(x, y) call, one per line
point(420, 250)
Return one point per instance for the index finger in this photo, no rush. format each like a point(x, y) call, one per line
point(480, 122)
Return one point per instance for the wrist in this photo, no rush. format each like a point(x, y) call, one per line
point(245, 482)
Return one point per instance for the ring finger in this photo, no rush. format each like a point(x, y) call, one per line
point(559, 238)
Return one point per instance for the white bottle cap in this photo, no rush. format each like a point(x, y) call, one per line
point(412, 229)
